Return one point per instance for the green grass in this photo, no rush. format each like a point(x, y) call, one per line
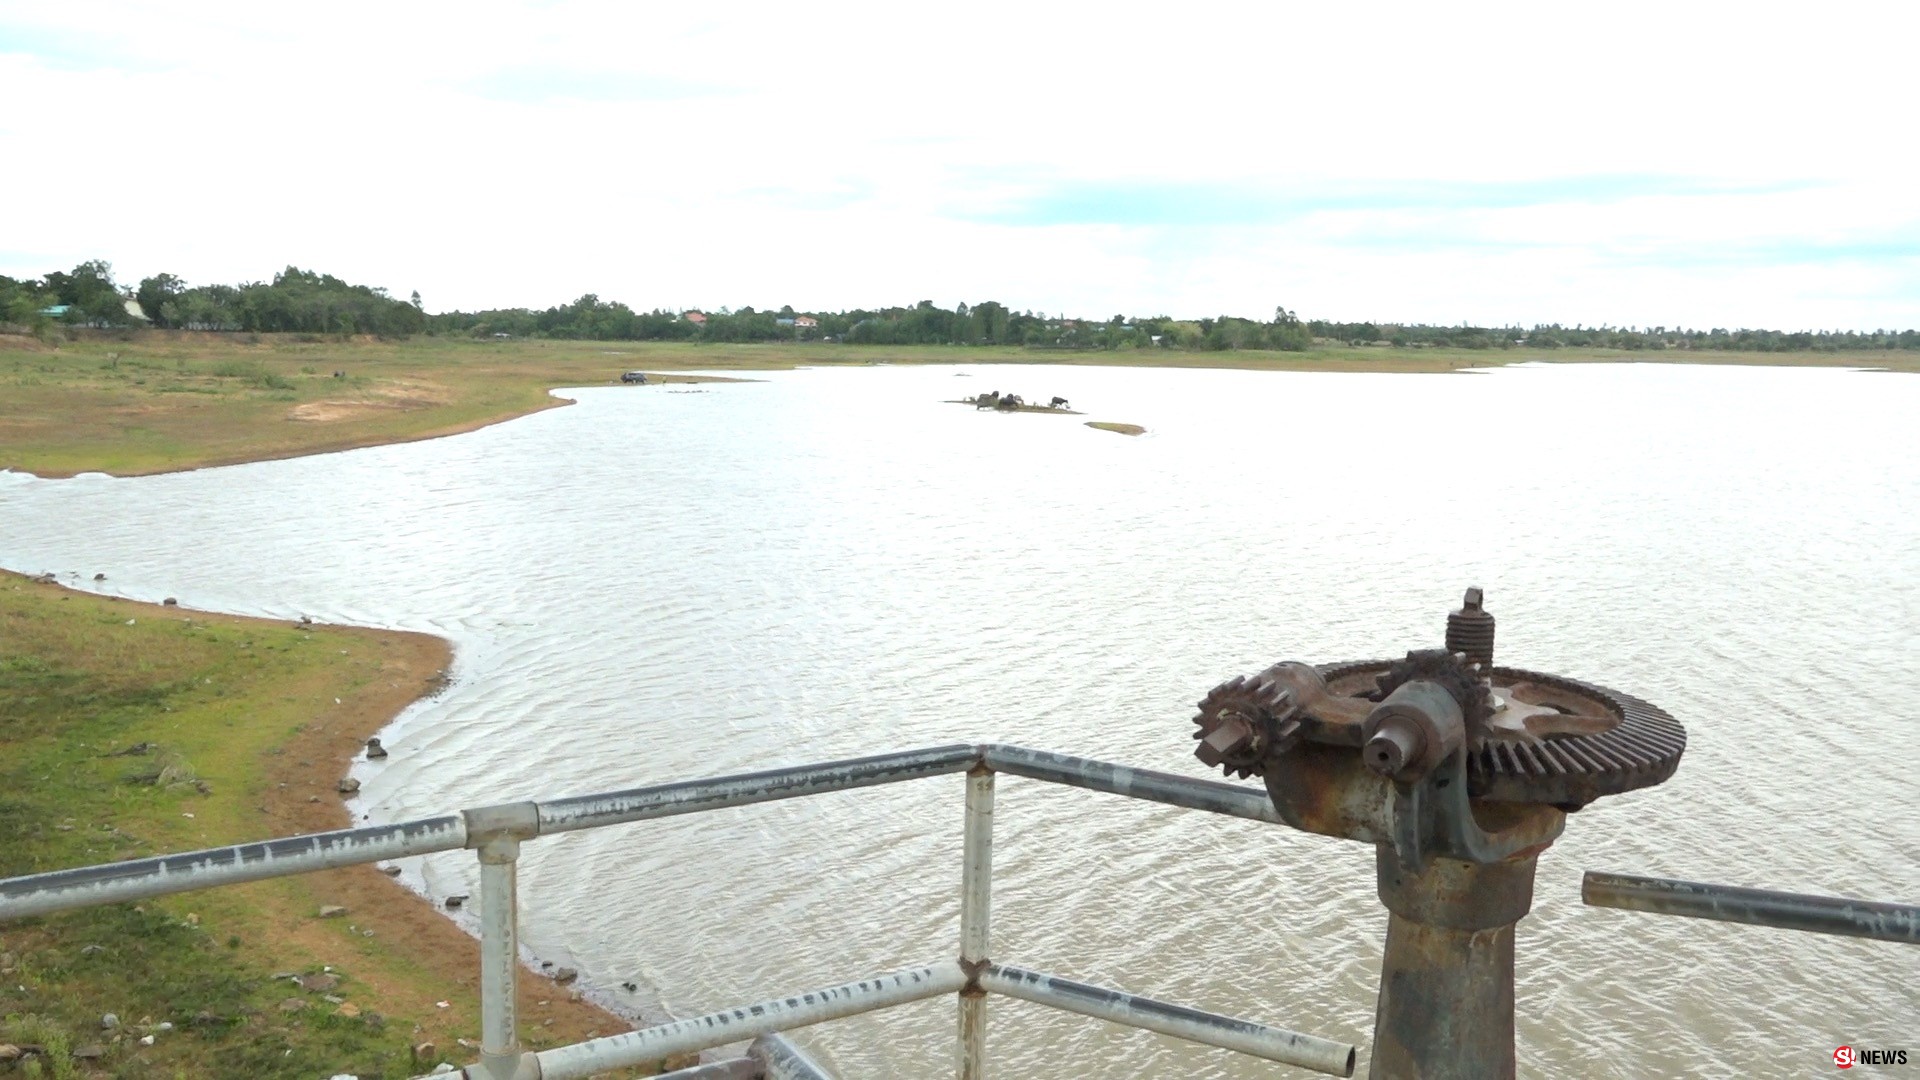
point(154, 401)
point(124, 735)
point(129, 730)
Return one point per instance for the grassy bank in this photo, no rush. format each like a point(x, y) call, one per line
point(156, 401)
point(128, 730)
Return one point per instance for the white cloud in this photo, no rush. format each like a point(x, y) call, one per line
point(844, 155)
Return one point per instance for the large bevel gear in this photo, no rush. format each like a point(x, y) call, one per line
point(1243, 721)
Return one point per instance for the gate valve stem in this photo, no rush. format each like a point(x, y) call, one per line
point(1470, 631)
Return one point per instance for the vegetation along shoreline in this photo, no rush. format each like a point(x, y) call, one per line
point(130, 729)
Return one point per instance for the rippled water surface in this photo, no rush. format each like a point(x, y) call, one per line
point(659, 584)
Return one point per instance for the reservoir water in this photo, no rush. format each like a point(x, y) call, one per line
point(669, 582)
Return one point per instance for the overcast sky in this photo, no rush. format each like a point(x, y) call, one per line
point(1734, 164)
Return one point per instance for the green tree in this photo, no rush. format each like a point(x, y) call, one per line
point(155, 293)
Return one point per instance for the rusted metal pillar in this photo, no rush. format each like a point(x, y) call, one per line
point(1459, 774)
point(976, 911)
point(1449, 944)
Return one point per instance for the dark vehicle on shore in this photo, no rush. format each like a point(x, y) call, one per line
point(636, 377)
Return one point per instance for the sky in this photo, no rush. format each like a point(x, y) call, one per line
point(1636, 164)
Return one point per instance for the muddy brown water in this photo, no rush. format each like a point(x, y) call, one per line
point(651, 586)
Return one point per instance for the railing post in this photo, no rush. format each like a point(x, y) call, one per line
point(497, 831)
point(976, 909)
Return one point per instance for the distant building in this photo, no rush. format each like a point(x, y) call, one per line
point(56, 311)
point(783, 322)
point(806, 322)
point(695, 318)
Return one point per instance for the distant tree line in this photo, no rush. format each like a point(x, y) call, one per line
point(295, 301)
point(987, 323)
point(1633, 339)
point(303, 301)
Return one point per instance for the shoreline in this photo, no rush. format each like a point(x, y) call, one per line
point(155, 402)
point(399, 946)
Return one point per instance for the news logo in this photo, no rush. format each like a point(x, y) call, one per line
point(1846, 1057)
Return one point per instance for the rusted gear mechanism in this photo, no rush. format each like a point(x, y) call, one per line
point(1242, 721)
point(1460, 677)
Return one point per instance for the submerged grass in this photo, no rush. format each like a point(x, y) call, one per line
point(156, 401)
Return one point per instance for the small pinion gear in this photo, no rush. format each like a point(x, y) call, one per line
point(1451, 671)
point(1241, 722)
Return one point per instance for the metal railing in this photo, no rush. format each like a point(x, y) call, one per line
point(496, 833)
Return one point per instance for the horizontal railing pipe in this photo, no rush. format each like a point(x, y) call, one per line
point(1243, 1036)
point(1757, 907)
point(1213, 796)
point(742, 789)
point(747, 1022)
point(137, 879)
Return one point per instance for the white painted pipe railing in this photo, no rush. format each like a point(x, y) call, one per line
point(496, 832)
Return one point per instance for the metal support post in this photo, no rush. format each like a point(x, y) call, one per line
point(497, 831)
point(976, 909)
point(1446, 981)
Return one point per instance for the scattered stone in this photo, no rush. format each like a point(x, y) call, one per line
point(629, 987)
point(333, 999)
point(146, 1040)
point(170, 602)
point(563, 976)
point(454, 902)
point(89, 1052)
point(347, 1009)
point(10, 1052)
point(468, 1044)
point(292, 1005)
point(331, 911)
point(163, 1026)
point(374, 750)
point(109, 1022)
point(390, 871)
point(575, 995)
point(89, 950)
point(347, 786)
point(314, 984)
point(423, 1052)
point(313, 798)
point(193, 918)
point(99, 577)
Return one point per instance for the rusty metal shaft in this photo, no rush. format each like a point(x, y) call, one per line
point(1446, 981)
